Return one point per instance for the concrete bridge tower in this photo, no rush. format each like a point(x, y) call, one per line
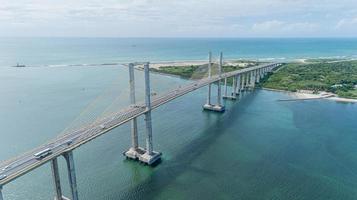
point(218, 107)
point(147, 155)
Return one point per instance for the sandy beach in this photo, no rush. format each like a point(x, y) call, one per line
point(309, 95)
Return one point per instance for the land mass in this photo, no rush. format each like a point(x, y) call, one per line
point(198, 70)
point(314, 76)
point(337, 77)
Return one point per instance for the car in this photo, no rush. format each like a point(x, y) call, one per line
point(102, 126)
point(2, 176)
point(69, 142)
point(41, 154)
point(6, 168)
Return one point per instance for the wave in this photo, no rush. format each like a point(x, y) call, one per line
point(76, 65)
point(267, 59)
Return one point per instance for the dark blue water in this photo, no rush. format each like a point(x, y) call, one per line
point(260, 148)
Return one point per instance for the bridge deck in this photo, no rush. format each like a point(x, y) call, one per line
point(26, 162)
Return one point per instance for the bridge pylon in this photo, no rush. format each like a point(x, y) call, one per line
point(147, 155)
point(218, 107)
point(135, 151)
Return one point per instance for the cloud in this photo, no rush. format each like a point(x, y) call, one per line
point(174, 17)
point(276, 27)
point(346, 23)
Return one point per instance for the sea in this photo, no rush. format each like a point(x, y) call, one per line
point(260, 148)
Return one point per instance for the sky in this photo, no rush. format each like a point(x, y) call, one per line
point(178, 18)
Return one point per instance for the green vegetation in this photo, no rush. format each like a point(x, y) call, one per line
point(188, 72)
point(193, 71)
point(337, 77)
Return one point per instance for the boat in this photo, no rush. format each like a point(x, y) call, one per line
point(18, 65)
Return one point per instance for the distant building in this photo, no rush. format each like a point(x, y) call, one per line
point(337, 85)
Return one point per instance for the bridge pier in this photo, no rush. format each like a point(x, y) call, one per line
point(249, 81)
point(245, 82)
point(150, 156)
point(225, 88)
point(218, 107)
point(135, 151)
point(56, 180)
point(234, 87)
point(68, 156)
point(242, 83)
point(257, 76)
point(1, 197)
point(238, 85)
point(252, 79)
point(233, 95)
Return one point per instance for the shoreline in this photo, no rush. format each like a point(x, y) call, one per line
point(308, 95)
point(296, 96)
point(231, 62)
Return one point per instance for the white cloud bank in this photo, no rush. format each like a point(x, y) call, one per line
point(281, 28)
point(178, 18)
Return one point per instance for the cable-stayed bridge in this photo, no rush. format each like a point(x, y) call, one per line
point(65, 144)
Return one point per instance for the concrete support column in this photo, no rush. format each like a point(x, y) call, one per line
point(134, 151)
point(71, 174)
point(238, 88)
point(246, 76)
point(234, 87)
point(134, 125)
point(247, 79)
point(243, 82)
point(150, 156)
point(149, 145)
point(225, 87)
point(56, 179)
point(218, 107)
point(209, 76)
point(219, 94)
point(257, 76)
point(252, 77)
point(1, 197)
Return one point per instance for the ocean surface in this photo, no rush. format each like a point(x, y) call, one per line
point(89, 51)
point(260, 148)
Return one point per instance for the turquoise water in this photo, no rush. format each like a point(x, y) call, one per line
point(260, 148)
point(72, 51)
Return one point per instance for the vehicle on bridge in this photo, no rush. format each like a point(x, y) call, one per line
point(102, 126)
point(3, 176)
point(5, 168)
point(41, 154)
